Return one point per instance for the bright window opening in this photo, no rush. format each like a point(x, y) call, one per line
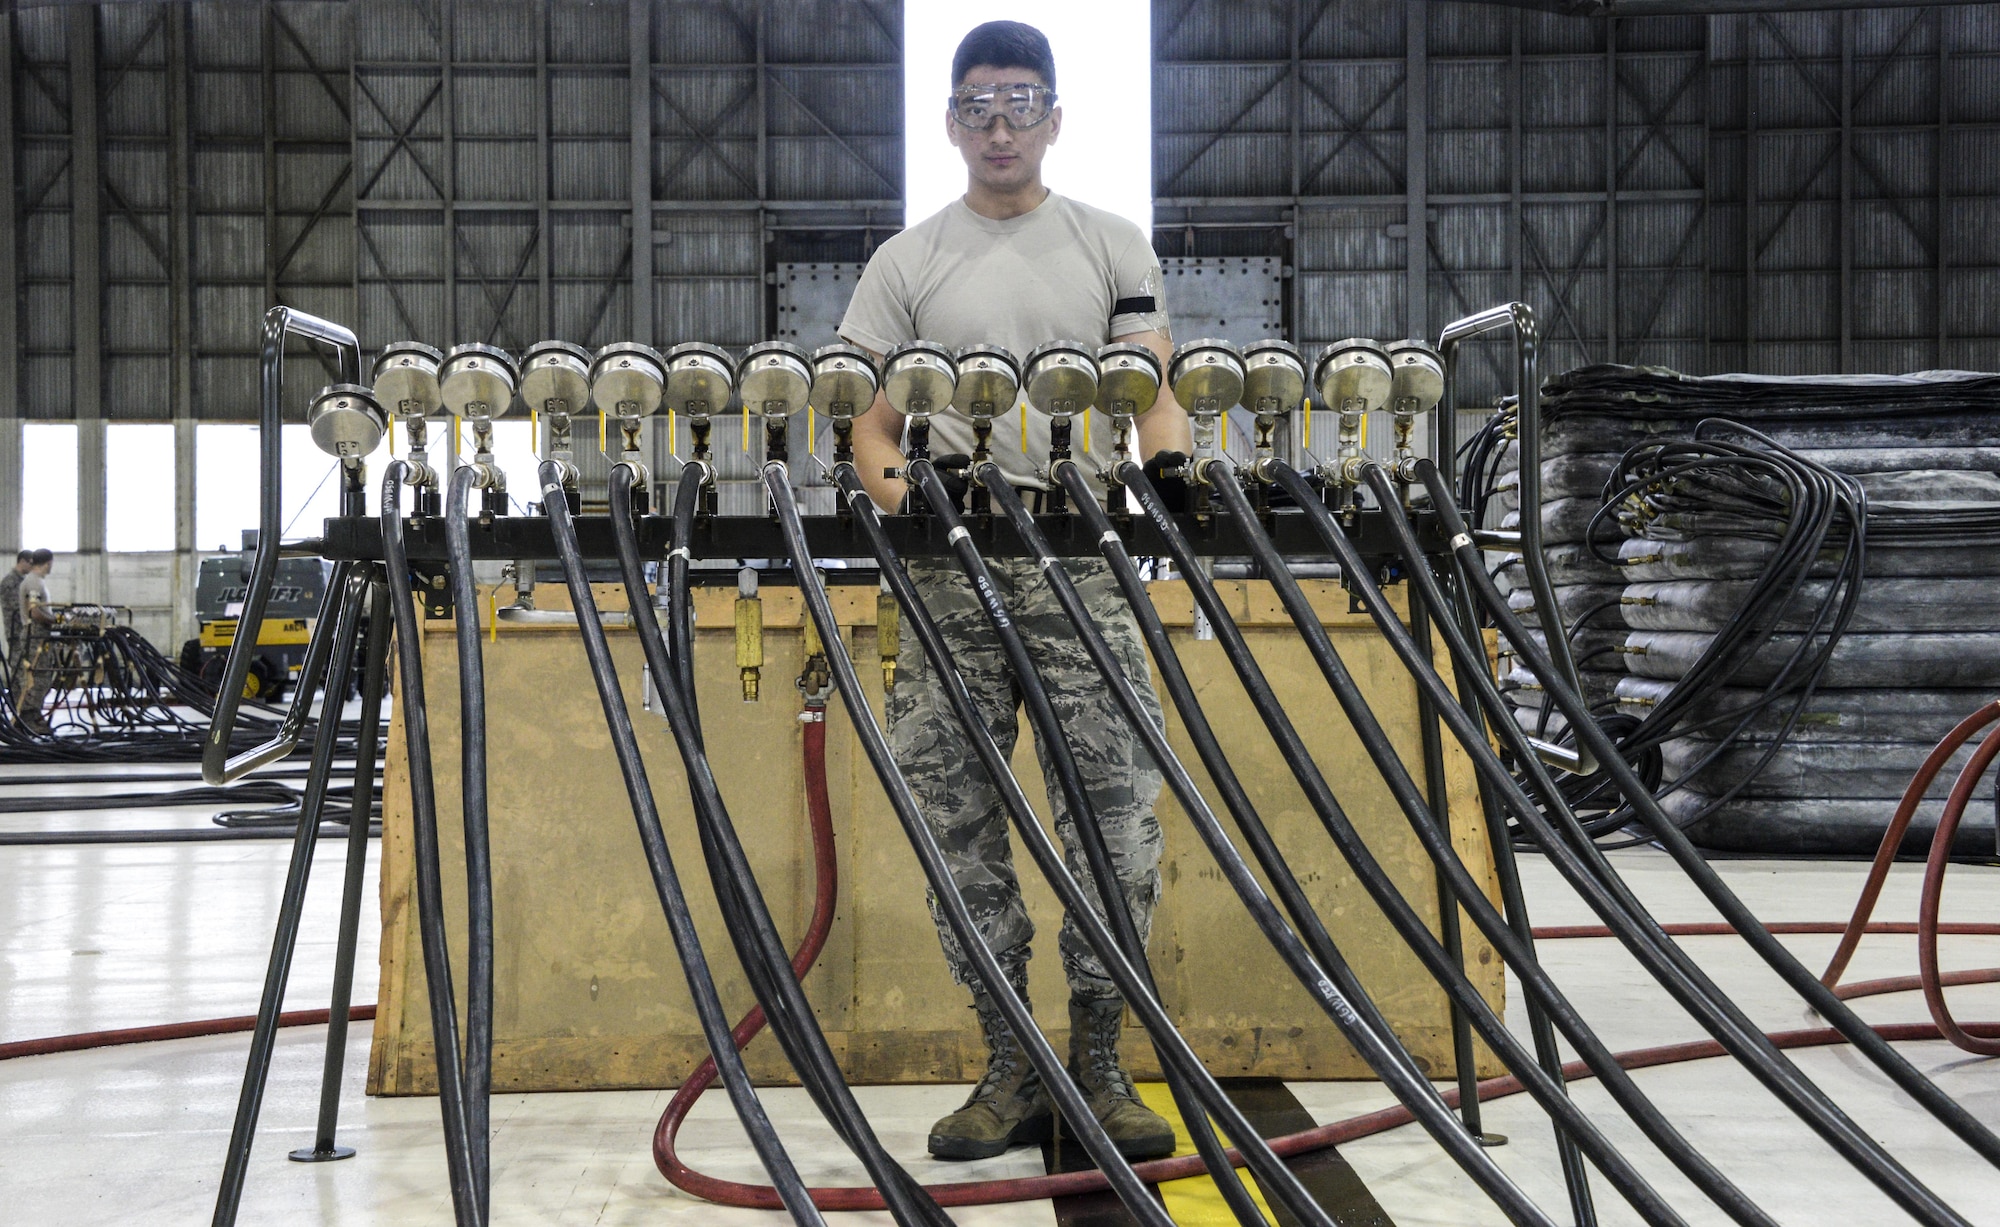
point(138, 486)
point(1104, 83)
point(226, 484)
point(49, 486)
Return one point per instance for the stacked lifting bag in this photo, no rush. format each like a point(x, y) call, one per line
point(1920, 651)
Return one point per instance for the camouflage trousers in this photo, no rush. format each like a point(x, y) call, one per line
point(962, 806)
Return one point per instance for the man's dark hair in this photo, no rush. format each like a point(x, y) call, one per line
point(27, 556)
point(39, 557)
point(1004, 44)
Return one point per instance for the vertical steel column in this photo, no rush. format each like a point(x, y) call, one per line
point(1610, 189)
point(1751, 79)
point(1707, 194)
point(1416, 163)
point(544, 172)
point(1846, 226)
point(10, 324)
point(1941, 210)
point(87, 300)
point(640, 51)
point(180, 308)
point(448, 49)
point(268, 42)
point(1515, 104)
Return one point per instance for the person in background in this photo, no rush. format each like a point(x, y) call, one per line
point(35, 665)
point(10, 602)
point(1015, 264)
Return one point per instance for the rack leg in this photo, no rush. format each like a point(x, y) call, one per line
point(373, 683)
point(264, 1038)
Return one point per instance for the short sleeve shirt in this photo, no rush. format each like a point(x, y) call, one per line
point(34, 592)
point(1063, 271)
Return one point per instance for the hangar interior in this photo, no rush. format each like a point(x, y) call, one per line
point(1559, 648)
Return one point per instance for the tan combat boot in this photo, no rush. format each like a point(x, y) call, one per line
point(1009, 1107)
point(1137, 1130)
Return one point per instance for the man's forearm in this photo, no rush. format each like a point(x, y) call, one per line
point(874, 455)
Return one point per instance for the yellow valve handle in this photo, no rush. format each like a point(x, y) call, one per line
point(600, 432)
point(1309, 423)
point(1086, 430)
point(812, 430)
point(1364, 432)
point(673, 436)
point(493, 615)
point(746, 430)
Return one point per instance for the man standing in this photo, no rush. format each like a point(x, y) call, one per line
point(10, 601)
point(1014, 264)
point(34, 663)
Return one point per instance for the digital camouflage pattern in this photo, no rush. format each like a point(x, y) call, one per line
point(961, 804)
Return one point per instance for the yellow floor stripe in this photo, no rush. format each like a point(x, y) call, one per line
point(1195, 1201)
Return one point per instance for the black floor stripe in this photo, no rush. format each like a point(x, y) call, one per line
point(1275, 1111)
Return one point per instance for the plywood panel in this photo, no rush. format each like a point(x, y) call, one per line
point(590, 994)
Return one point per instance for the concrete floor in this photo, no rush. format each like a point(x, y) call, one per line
point(114, 936)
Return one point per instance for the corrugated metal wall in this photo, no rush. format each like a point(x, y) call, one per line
point(1776, 192)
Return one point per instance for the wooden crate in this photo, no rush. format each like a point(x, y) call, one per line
point(590, 994)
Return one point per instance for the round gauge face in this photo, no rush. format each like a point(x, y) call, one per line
point(477, 381)
point(1274, 379)
point(1128, 378)
point(1207, 376)
point(1416, 376)
point(775, 379)
point(701, 379)
point(1061, 378)
point(627, 380)
point(1353, 373)
point(555, 378)
point(406, 379)
point(843, 381)
point(346, 422)
point(988, 381)
point(918, 379)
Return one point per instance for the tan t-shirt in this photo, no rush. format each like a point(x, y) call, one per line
point(1055, 273)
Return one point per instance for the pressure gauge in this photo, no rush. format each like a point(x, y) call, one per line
point(406, 379)
point(555, 378)
point(1207, 376)
point(843, 381)
point(1274, 377)
point(346, 421)
point(477, 381)
point(775, 379)
point(1416, 377)
point(989, 381)
point(700, 379)
point(1352, 372)
point(627, 379)
point(1061, 378)
point(918, 378)
point(1128, 378)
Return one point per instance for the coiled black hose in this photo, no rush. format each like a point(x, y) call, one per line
point(1599, 884)
point(1817, 995)
point(478, 853)
point(1187, 1080)
point(430, 883)
point(1060, 1082)
point(1546, 1087)
point(1390, 1062)
point(715, 1023)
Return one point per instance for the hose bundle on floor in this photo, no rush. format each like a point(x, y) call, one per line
point(1779, 591)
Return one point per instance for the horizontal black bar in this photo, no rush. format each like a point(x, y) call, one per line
point(359, 538)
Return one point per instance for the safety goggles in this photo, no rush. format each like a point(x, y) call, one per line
point(1022, 106)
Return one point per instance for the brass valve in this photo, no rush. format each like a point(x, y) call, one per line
point(749, 632)
point(887, 636)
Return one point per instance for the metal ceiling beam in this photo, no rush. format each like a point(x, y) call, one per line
point(1703, 8)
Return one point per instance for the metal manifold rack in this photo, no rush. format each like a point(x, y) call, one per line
point(1267, 510)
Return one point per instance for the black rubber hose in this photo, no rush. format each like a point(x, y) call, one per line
point(687, 508)
point(660, 862)
point(1633, 925)
point(1187, 1080)
point(1547, 1089)
point(790, 1014)
point(1700, 996)
point(430, 883)
point(159, 835)
point(1389, 1061)
point(1062, 1087)
point(478, 852)
point(1951, 1113)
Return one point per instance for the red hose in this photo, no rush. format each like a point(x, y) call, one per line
point(1892, 839)
point(1977, 1037)
point(1933, 893)
point(167, 1031)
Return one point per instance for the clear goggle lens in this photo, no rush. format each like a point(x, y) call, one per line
point(1022, 106)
